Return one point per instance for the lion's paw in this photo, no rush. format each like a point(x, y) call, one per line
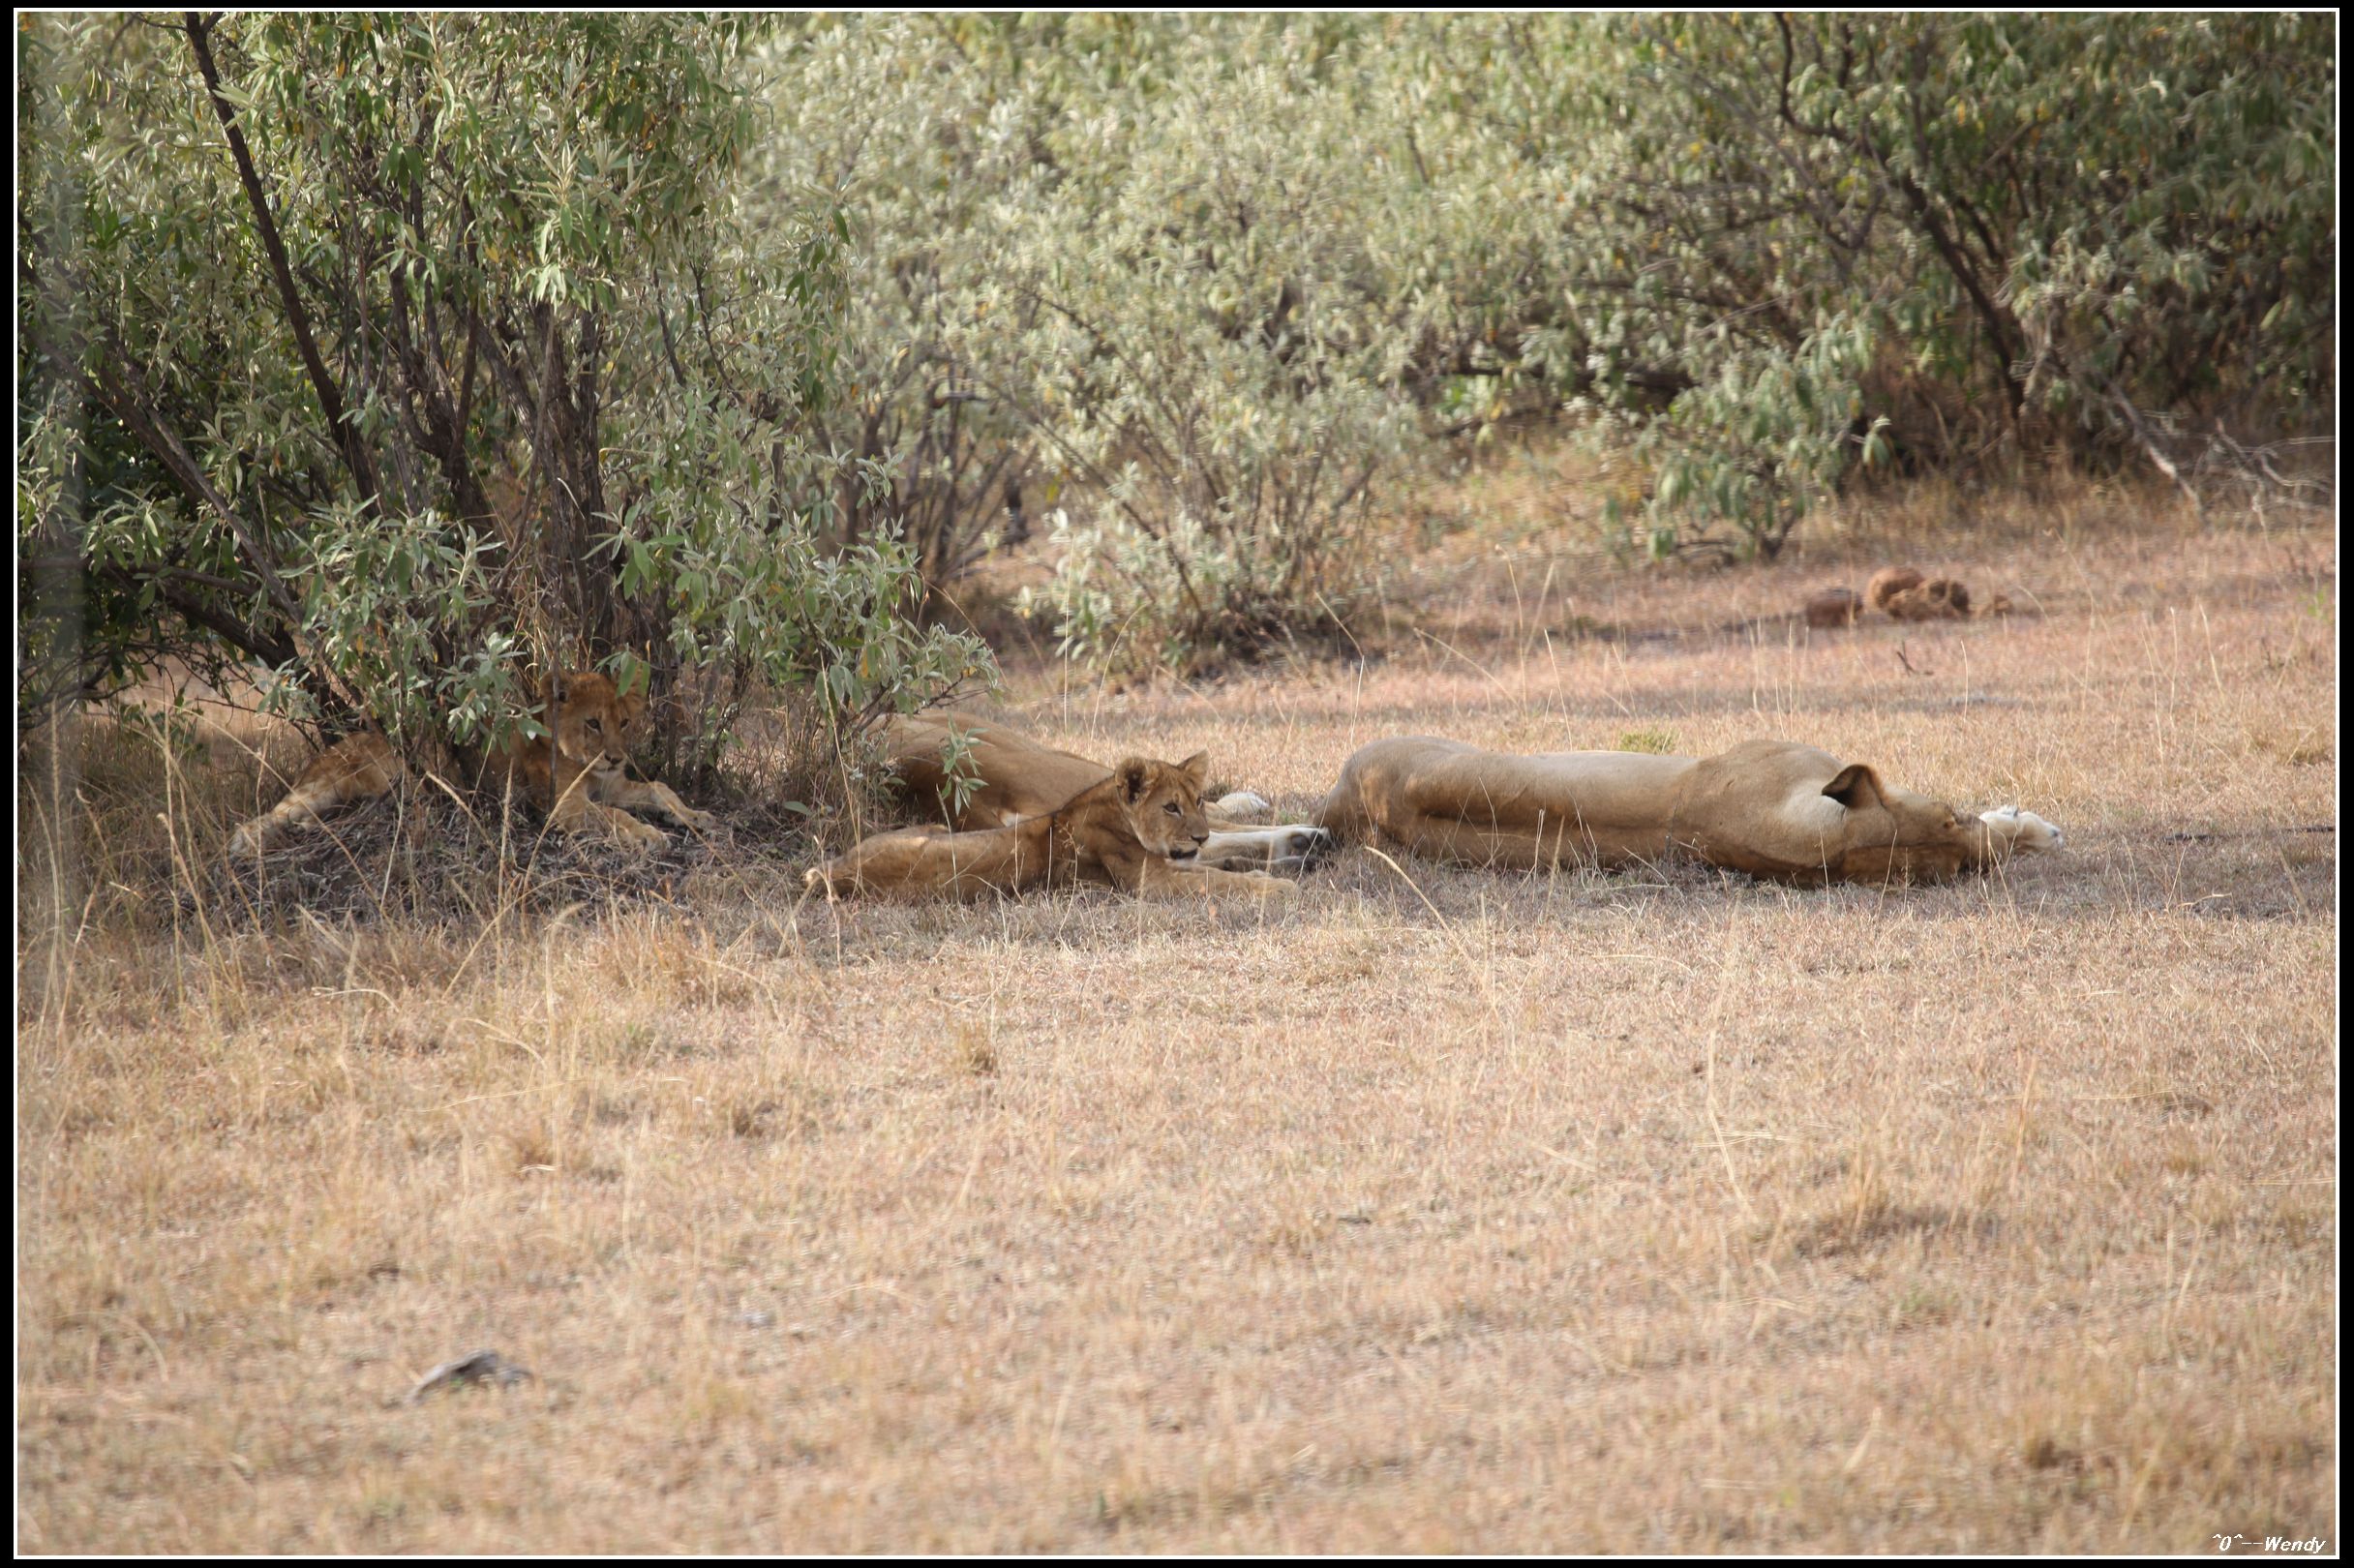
point(639, 838)
point(1243, 806)
point(2022, 832)
point(1303, 849)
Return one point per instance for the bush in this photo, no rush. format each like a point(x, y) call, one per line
point(400, 355)
point(1146, 265)
point(1825, 240)
point(494, 342)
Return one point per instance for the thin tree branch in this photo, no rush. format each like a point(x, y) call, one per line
point(346, 436)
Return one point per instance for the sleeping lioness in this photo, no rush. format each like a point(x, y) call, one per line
point(1140, 830)
point(575, 774)
point(1018, 777)
point(1769, 808)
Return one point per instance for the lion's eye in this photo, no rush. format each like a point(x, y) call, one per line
point(1170, 806)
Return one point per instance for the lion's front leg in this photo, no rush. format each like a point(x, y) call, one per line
point(577, 812)
point(1166, 879)
point(637, 796)
point(1296, 848)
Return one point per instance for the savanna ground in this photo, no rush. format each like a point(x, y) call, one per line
point(1439, 1209)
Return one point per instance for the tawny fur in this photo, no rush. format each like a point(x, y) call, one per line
point(1902, 593)
point(1941, 598)
point(1834, 607)
point(579, 780)
point(1770, 808)
point(1887, 582)
point(1020, 778)
point(1140, 829)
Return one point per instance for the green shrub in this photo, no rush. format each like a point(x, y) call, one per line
point(402, 355)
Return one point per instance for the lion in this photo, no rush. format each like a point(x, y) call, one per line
point(1887, 584)
point(575, 774)
point(1773, 809)
point(1018, 777)
point(1939, 598)
point(1141, 830)
point(1902, 593)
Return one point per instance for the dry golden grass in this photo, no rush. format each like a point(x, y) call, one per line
point(1444, 1211)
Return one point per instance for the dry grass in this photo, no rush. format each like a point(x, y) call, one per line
point(1473, 1212)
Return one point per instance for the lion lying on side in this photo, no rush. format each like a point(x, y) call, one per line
point(579, 781)
point(1141, 828)
point(1770, 808)
point(1019, 777)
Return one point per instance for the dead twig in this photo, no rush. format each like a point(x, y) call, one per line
point(2249, 833)
point(481, 1367)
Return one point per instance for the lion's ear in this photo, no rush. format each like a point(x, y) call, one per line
point(1855, 787)
point(1133, 774)
point(1196, 771)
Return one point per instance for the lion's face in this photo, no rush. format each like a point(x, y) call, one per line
point(594, 723)
point(1164, 801)
point(1893, 835)
point(1777, 808)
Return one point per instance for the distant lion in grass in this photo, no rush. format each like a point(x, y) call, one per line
point(1141, 830)
point(575, 774)
point(1887, 584)
point(1773, 809)
point(1902, 593)
point(1939, 598)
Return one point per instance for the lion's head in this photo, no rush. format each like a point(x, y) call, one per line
point(592, 721)
point(1780, 809)
point(1888, 832)
point(1163, 803)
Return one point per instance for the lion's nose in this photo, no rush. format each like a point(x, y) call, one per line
point(1201, 838)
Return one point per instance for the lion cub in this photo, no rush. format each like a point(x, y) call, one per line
point(579, 780)
point(1139, 831)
